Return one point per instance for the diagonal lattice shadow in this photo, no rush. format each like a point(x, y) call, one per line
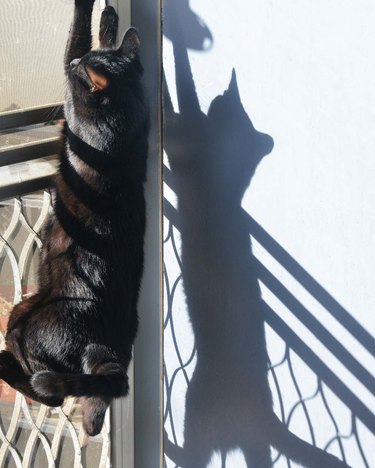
point(360, 412)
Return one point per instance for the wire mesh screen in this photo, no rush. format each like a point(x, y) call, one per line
point(31, 434)
point(33, 35)
point(314, 400)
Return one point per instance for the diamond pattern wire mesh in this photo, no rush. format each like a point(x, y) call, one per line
point(298, 392)
point(31, 434)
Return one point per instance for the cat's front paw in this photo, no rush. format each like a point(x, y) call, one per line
point(108, 27)
point(109, 14)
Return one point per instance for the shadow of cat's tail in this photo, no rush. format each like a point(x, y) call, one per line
point(298, 450)
point(281, 439)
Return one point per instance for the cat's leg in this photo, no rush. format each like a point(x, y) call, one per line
point(108, 28)
point(22, 311)
point(11, 372)
point(80, 39)
point(94, 409)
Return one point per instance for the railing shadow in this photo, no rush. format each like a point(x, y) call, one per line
point(326, 375)
point(213, 158)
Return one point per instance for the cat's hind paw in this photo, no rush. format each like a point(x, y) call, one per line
point(47, 384)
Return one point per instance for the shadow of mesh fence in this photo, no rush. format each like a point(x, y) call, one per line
point(302, 396)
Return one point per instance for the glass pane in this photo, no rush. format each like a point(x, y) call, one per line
point(33, 35)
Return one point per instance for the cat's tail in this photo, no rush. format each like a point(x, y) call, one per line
point(109, 381)
point(300, 451)
point(12, 372)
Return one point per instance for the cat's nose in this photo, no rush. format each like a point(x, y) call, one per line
point(74, 63)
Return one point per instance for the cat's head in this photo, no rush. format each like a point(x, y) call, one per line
point(106, 79)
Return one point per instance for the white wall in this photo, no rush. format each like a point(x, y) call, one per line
point(306, 75)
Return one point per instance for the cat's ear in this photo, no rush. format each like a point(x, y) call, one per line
point(130, 43)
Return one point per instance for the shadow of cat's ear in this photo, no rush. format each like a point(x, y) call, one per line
point(233, 86)
point(130, 43)
point(229, 103)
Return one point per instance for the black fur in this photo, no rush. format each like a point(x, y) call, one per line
point(75, 336)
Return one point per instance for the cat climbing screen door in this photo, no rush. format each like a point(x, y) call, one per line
point(33, 35)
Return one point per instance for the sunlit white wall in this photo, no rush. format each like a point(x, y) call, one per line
point(306, 77)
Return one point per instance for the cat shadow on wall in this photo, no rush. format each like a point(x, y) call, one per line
point(213, 159)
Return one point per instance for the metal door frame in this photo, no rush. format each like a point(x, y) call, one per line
point(144, 448)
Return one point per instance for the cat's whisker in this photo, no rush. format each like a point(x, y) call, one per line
point(52, 113)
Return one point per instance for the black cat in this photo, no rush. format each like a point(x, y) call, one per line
point(75, 336)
